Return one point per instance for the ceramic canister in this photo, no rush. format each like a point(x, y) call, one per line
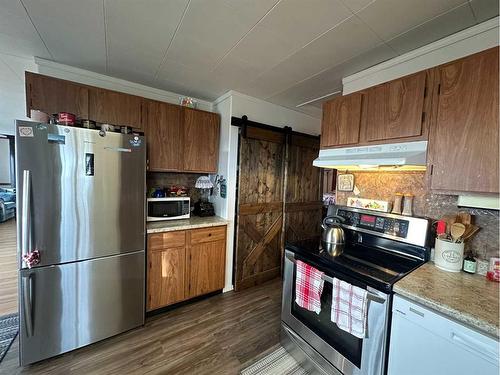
point(448, 256)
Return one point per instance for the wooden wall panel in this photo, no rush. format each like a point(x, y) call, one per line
point(260, 210)
point(268, 162)
point(303, 190)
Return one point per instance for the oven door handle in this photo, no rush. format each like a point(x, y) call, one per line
point(371, 296)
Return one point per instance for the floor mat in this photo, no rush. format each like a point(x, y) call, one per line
point(9, 326)
point(278, 362)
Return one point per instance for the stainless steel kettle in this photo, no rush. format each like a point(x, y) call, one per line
point(333, 239)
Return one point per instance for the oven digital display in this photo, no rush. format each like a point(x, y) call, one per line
point(368, 220)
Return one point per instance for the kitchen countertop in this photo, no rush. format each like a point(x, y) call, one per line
point(468, 299)
point(192, 223)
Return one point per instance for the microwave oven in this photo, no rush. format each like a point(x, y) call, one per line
point(170, 208)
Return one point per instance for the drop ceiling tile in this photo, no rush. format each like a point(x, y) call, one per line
point(252, 10)
point(209, 30)
point(301, 21)
point(192, 80)
point(17, 34)
point(484, 9)
point(342, 43)
point(191, 86)
point(172, 70)
point(389, 18)
point(357, 5)
point(140, 45)
point(234, 72)
point(128, 73)
point(72, 30)
point(310, 110)
point(263, 48)
point(330, 80)
point(451, 22)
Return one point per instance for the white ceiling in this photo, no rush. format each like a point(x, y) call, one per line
point(284, 51)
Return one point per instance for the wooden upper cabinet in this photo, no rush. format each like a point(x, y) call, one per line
point(164, 136)
point(115, 108)
point(463, 152)
point(341, 121)
point(52, 95)
point(395, 109)
point(201, 140)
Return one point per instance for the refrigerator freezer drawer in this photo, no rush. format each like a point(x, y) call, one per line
point(68, 306)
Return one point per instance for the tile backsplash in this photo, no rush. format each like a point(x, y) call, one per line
point(383, 186)
point(165, 180)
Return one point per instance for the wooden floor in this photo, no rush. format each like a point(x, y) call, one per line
point(217, 335)
point(8, 268)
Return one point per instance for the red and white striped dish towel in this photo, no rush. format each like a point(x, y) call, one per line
point(349, 307)
point(308, 287)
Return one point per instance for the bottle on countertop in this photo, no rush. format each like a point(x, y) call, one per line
point(470, 264)
point(408, 205)
point(398, 200)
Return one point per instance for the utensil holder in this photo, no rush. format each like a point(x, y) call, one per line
point(449, 256)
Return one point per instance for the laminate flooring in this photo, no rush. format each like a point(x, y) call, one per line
point(217, 335)
point(8, 268)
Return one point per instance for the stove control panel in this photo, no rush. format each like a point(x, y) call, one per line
point(388, 225)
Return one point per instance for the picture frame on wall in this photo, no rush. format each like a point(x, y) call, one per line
point(345, 182)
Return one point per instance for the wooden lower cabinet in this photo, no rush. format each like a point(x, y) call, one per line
point(166, 276)
point(206, 268)
point(184, 264)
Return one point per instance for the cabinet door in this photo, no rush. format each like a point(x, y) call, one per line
point(164, 136)
point(464, 141)
point(115, 108)
point(166, 277)
point(201, 141)
point(394, 109)
point(52, 95)
point(206, 261)
point(341, 121)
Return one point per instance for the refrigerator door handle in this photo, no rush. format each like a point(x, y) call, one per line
point(28, 303)
point(26, 214)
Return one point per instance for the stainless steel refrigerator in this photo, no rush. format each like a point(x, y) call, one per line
point(81, 206)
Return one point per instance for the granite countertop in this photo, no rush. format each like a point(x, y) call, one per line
point(468, 299)
point(191, 223)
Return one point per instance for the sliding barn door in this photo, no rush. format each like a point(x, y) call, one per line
point(260, 207)
point(303, 206)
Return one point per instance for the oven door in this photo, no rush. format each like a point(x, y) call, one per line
point(349, 354)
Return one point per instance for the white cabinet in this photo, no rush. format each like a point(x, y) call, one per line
point(424, 342)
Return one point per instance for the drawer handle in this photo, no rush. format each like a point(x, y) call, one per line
point(419, 313)
point(210, 235)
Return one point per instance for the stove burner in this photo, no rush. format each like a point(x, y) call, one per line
point(375, 264)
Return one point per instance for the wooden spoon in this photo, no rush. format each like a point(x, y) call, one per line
point(465, 218)
point(469, 232)
point(457, 231)
point(450, 220)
